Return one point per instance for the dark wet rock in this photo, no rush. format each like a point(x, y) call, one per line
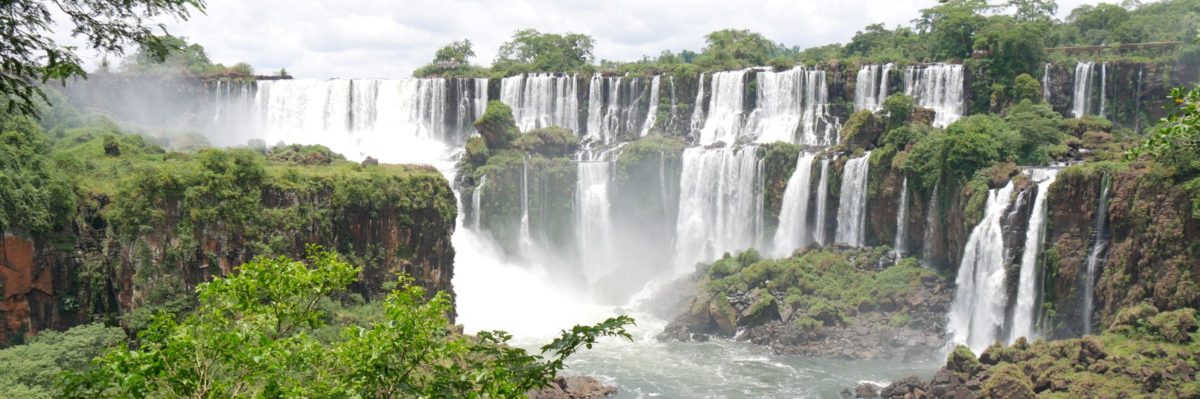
point(911, 385)
point(574, 387)
point(866, 390)
point(370, 161)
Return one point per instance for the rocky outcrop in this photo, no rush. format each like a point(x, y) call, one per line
point(574, 387)
point(106, 265)
point(1153, 244)
point(887, 312)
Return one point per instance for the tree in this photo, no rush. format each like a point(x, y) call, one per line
point(455, 53)
point(1038, 126)
point(734, 48)
point(180, 57)
point(530, 50)
point(31, 57)
point(253, 336)
point(951, 27)
point(1176, 142)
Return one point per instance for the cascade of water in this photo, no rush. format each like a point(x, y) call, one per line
point(792, 231)
point(595, 224)
point(674, 103)
point(720, 204)
point(791, 102)
point(652, 114)
point(819, 232)
point(1081, 99)
point(977, 314)
point(1137, 101)
point(477, 202)
point(871, 86)
point(470, 98)
point(931, 213)
point(938, 87)
point(541, 100)
point(852, 202)
point(526, 238)
point(346, 115)
point(1103, 92)
point(697, 122)
point(1046, 83)
point(726, 109)
point(1025, 313)
point(1099, 244)
point(902, 220)
point(613, 107)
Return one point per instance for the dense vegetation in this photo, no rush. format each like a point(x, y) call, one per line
point(1001, 40)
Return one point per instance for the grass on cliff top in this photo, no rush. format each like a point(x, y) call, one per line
point(831, 285)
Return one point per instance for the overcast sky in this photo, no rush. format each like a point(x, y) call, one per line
point(378, 38)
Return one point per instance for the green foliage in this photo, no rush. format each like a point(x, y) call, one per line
point(965, 147)
point(532, 51)
point(897, 109)
point(252, 337)
point(1025, 87)
point(1038, 127)
point(31, 56)
point(1176, 142)
point(550, 142)
point(730, 49)
point(827, 287)
point(1090, 123)
point(31, 370)
point(302, 154)
point(35, 195)
point(497, 125)
point(951, 27)
point(452, 60)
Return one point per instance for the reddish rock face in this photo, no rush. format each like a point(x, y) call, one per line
point(19, 279)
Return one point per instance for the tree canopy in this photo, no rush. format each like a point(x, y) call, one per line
point(30, 56)
point(530, 50)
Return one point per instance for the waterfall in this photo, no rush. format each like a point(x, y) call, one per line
point(931, 212)
point(592, 206)
point(871, 87)
point(1099, 244)
point(726, 108)
point(852, 202)
point(526, 239)
point(902, 220)
point(793, 231)
point(1025, 314)
point(477, 202)
point(977, 314)
point(938, 87)
point(697, 122)
point(674, 106)
point(1046, 83)
point(1082, 96)
point(652, 114)
point(359, 117)
point(541, 100)
point(1137, 101)
point(720, 204)
point(819, 234)
point(1103, 92)
point(613, 105)
point(789, 103)
point(470, 97)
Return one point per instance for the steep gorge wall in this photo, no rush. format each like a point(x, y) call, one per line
point(387, 219)
point(1153, 251)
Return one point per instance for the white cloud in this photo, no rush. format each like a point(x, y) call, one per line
point(376, 38)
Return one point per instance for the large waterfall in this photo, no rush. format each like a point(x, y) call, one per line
point(720, 204)
point(541, 100)
point(652, 113)
point(871, 87)
point(820, 231)
point(416, 117)
point(594, 221)
point(1025, 314)
point(792, 107)
point(726, 108)
point(1084, 98)
point(938, 87)
point(977, 315)
point(852, 202)
point(614, 108)
point(697, 121)
point(793, 230)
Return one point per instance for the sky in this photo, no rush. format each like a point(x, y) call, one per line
point(387, 39)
